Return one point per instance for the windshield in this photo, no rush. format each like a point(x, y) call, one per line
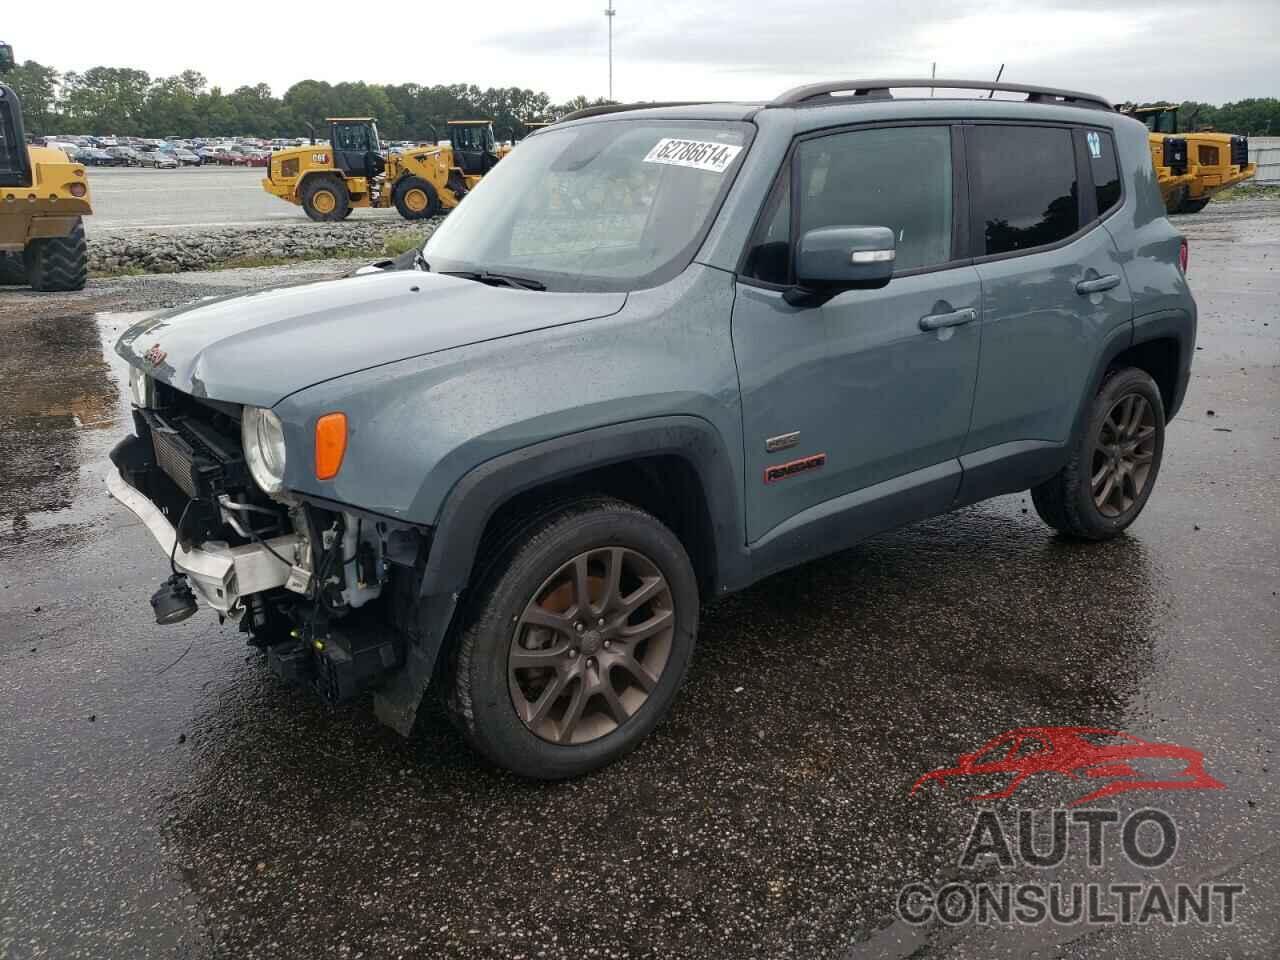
point(616, 205)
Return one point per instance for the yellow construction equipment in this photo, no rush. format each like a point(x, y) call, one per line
point(43, 195)
point(1191, 166)
point(330, 180)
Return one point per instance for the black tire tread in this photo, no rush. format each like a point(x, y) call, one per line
point(403, 186)
point(58, 264)
point(339, 188)
point(13, 273)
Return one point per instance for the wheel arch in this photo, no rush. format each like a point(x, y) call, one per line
point(675, 467)
point(633, 461)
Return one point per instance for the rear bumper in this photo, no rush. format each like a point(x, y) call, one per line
point(220, 574)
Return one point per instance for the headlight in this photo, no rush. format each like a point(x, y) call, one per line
point(263, 439)
point(142, 389)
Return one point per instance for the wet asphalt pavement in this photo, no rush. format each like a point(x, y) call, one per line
point(161, 795)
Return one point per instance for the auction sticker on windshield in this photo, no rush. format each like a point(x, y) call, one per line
point(699, 154)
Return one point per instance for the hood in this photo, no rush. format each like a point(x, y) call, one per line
point(257, 348)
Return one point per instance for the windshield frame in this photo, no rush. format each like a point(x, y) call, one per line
point(557, 281)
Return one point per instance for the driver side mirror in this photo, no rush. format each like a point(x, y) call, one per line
point(830, 260)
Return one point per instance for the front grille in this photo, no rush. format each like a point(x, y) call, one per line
point(1207, 156)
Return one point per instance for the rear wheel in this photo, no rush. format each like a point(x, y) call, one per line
point(578, 640)
point(58, 264)
point(415, 198)
point(1109, 478)
point(326, 199)
point(1194, 206)
point(13, 272)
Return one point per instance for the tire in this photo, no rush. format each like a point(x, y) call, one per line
point(325, 199)
point(534, 574)
point(415, 198)
point(1194, 206)
point(58, 264)
point(1099, 470)
point(13, 272)
point(350, 210)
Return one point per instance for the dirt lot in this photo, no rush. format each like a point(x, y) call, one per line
point(162, 796)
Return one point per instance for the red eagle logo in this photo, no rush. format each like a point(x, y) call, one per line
point(1079, 753)
point(154, 355)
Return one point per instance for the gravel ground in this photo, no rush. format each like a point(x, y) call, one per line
point(168, 221)
point(164, 797)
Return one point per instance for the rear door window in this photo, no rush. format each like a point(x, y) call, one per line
point(1024, 192)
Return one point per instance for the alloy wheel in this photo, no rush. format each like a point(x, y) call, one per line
point(591, 645)
point(1123, 455)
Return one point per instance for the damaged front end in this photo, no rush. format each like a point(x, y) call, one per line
point(312, 584)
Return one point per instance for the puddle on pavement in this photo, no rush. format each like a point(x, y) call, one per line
point(62, 408)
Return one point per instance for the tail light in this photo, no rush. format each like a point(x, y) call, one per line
point(1184, 255)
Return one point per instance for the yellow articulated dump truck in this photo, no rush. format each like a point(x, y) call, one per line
point(43, 195)
point(1191, 166)
point(330, 180)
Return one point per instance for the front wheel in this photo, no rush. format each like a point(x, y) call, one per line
point(1109, 478)
point(577, 642)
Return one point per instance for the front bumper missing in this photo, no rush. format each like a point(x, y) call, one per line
point(220, 574)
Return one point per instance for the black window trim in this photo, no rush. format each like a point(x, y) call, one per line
point(1086, 225)
point(959, 198)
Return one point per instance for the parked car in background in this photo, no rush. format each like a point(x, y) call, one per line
point(188, 158)
point(127, 156)
point(93, 157)
point(164, 161)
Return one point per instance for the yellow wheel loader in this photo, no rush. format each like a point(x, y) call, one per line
point(330, 180)
point(1191, 166)
point(43, 195)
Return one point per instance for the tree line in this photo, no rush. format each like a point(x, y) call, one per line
point(127, 102)
point(121, 101)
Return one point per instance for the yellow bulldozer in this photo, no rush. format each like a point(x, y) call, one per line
point(43, 196)
point(329, 181)
point(1190, 166)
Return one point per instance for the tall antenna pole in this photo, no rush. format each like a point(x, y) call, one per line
point(609, 14)
point(933, 75)
point(999, 74)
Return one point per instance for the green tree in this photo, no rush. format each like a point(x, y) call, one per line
point(37, 89)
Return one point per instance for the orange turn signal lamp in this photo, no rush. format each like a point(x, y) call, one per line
point(331, 444)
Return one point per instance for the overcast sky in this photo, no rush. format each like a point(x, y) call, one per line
point(675, 49)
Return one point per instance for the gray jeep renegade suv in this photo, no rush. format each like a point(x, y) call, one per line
point(657, 355)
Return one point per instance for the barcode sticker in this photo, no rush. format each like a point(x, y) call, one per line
point(698, 154)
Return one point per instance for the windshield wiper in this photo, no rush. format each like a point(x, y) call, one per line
point(420, 261)
point(498, 279)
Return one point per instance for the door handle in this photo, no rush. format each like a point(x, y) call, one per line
point(936, 321)
point(1098, 284)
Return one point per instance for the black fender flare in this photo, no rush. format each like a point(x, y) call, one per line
point(475, 498)
point(467, 510)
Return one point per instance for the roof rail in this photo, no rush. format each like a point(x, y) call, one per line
point(879, 90)
point(623, 107)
